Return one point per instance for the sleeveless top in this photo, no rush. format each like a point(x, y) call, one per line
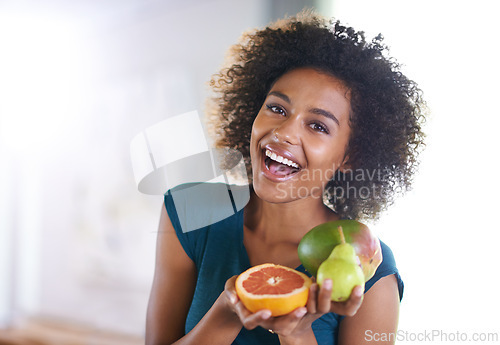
point(219, 253)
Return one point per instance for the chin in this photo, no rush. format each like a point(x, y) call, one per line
point(270, 191)
point(284, 192)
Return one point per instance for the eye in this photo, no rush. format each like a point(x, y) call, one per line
point(276, 109)
point(319, 127)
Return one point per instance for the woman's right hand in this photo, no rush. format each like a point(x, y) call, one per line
point(247, 319)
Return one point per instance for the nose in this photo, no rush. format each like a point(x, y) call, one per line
point(288, 131)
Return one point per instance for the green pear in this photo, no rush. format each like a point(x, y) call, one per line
point(342, 267)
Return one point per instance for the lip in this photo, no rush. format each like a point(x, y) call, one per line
point(285, 154)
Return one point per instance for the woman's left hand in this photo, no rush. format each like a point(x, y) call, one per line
point(295, 327)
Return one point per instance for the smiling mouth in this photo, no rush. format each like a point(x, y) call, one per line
point(279, 165)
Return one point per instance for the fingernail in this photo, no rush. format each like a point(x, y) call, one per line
point(327, 284)
point(233, 298)
point(301, 312)
point(359, 291)
point(266, 314)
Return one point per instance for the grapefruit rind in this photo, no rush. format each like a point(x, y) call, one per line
point(278, 304)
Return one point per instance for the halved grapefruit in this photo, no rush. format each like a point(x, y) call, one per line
point(278, 288)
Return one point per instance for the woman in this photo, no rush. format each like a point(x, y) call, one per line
point(329, 129)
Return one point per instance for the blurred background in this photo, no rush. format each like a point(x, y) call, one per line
point(79, 79)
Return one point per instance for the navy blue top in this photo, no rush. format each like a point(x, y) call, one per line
point(219, 253)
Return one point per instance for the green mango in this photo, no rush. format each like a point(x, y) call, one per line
point(317, 245)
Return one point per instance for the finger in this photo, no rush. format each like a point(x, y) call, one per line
point(230, 291)
point(299, 313)
point(311, 300)
point(291, 318)
point(355, 300)
point(324, 297)
point(285, 324)
point(252, 320)
point(351, 306)
point(358, 291)
point(230, 284)
point(241, 311)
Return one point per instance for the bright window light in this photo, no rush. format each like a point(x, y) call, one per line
point(38, 81)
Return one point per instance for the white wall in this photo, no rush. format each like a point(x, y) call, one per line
point(78, 81)
point(445, 233)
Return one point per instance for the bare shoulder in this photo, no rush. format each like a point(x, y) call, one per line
point(379, 313)
point(168, 247)
point(173, 286)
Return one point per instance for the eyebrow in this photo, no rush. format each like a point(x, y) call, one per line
point(316, 111)
point(326, 114)
point(280, 95)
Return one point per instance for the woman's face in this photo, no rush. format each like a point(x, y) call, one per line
point(299, 136)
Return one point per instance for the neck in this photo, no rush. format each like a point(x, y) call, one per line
point(285, 222)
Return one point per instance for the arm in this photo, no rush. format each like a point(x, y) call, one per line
point(378, 315)
point(172, 289)
point(171, 295)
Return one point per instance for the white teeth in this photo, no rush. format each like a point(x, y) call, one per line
point(281, 159)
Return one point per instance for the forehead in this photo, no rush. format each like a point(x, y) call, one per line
point(314, 86)
point(309, 78)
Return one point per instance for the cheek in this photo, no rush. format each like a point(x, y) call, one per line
point(327, 159)
point(258, 127)
point(255, 135)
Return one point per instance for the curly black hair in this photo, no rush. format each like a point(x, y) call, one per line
point(387, 109)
